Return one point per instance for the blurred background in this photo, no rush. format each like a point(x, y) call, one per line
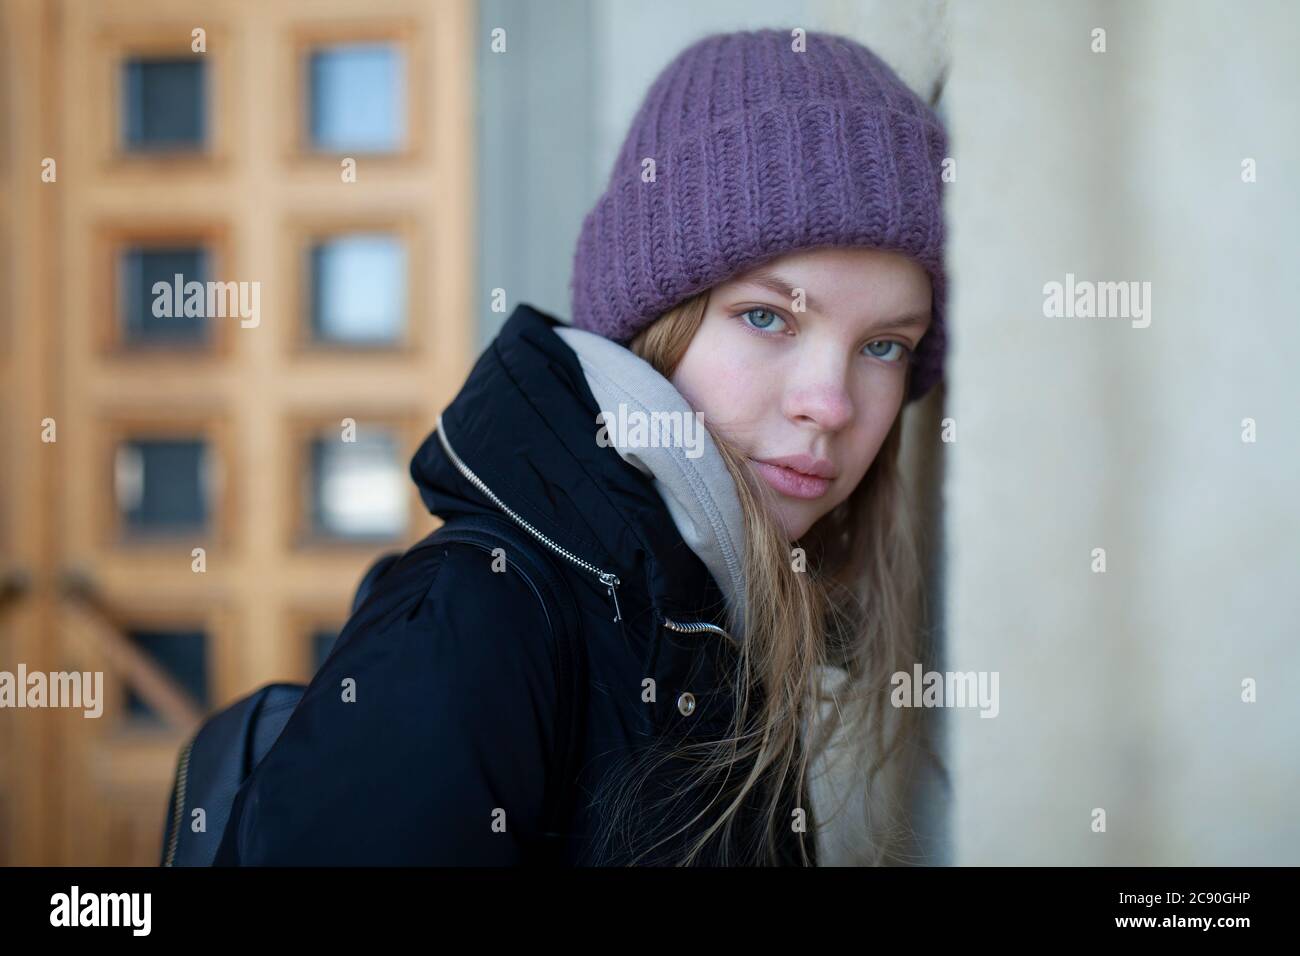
point(188, 504)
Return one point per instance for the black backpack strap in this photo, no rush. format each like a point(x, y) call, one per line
point(525, 556)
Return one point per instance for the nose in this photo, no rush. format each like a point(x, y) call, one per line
point(818, 392)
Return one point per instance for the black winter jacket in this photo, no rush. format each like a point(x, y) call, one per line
point(455, 668)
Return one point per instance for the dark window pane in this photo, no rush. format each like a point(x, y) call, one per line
point(358, 290)
point(139, 269)
point(322, 642)
point(163, 485)
point(164, 104)
point(183, 655)
point(357, 98)
point(358, 489)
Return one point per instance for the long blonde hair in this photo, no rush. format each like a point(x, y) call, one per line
point(857, 605)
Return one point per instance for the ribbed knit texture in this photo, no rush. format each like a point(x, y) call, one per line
point(759, 151)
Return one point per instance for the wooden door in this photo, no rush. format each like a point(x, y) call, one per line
point(224, 466)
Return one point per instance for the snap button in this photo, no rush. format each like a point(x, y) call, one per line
point(686, 704)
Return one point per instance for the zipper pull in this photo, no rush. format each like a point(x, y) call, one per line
point(611, 581)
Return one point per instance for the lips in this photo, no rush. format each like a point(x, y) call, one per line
point(798, 476)
point(804, 464)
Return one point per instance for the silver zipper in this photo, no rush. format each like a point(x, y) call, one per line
point(182, 776)
point(695, 627)
point(609, 580)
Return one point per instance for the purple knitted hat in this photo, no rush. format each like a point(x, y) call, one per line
point(758, 151)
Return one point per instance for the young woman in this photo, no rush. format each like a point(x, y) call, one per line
point(766, 261)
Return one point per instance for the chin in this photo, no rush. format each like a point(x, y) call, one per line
point(794, 526)
point(793, 521)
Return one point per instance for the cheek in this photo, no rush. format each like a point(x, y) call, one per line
point(721, 382)
point(867, 437)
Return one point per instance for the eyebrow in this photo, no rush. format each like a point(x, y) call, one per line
point(774, 282)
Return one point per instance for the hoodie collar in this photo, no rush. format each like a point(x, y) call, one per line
point(689, 474)
point(525, 426)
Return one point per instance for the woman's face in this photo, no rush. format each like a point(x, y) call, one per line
point(801, 363)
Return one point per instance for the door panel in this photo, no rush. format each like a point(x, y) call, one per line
point(228, 445)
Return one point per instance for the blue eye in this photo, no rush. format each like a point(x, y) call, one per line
point(902, 349)
point(773, 323)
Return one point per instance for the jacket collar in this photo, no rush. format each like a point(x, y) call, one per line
point(525, 426)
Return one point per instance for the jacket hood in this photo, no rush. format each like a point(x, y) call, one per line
point(525, 425)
